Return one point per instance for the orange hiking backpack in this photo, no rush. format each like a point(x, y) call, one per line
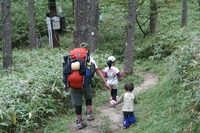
point(75, 70)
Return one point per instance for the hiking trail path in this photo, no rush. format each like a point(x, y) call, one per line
point(109, 120)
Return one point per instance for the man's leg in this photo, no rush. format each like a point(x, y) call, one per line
point(78, 110)
point(76, 98)
point(88, 97)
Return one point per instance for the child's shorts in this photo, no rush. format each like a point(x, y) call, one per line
point(129, 118)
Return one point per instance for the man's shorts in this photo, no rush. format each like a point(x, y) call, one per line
point(77, 95)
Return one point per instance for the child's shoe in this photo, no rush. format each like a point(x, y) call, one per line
point(112, 103)
point(126, 123)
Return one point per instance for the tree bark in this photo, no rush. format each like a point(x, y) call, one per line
point(86, 16)
point(6, 33)
point(153, 16)
point(129, 48)
point(184, 13)
point(80, 29)
point(32, 36)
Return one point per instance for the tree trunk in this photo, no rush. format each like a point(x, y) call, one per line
point(6, 33)
point(153, 16)
point(80, 29)
point(93, 12)
point(184, 13)
point(32, 28)
point(129, 59)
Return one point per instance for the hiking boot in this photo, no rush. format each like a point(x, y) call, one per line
point(80, 124)
point(89, 117)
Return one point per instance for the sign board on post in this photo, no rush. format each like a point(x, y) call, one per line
point(55, 22)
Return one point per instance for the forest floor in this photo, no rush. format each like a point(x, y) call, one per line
point(109, 120)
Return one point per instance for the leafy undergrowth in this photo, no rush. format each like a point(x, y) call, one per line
point(167, 108)
point(173, 105)
point(31, 91)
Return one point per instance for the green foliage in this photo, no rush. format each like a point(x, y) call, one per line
point(105, 124)
point(174, 102)
point(166, 105)
point(185, 70)
point(173, 105)
point(186, 64)
point(165, 41)
point(20, 20)
point(66, 42)
point(112, 25)
point(112, 28)
point(163, 44)
point(31, 90)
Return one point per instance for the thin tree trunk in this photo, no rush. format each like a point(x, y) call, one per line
point(6, 33)
point(129, 59)
point(153, 16)
point(184, 13)
point(32, 28)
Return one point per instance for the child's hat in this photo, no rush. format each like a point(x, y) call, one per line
point(111, 58)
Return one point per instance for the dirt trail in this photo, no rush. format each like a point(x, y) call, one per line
point(109, 120)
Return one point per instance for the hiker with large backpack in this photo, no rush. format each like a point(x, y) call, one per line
point(78, 69)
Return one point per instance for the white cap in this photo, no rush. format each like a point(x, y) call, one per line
point(111, 58)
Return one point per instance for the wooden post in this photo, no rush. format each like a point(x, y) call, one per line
point(53, 13)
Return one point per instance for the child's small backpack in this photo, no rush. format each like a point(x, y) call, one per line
point(77, 68)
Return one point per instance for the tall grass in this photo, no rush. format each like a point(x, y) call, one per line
point(31, 93)
point(31, 90)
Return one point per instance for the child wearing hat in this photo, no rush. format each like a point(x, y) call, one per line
point(129, 100)
point(112, 73)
